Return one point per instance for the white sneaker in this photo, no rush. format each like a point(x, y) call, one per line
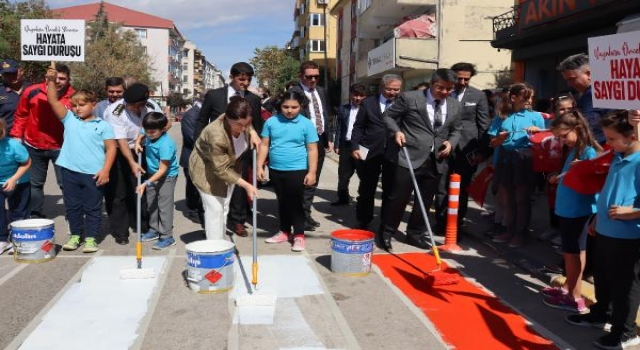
point(5, 246)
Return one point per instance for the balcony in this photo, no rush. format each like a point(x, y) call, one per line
point(383, 15)
point(397, 55)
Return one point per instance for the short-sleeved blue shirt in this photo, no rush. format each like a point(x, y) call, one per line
point(12, 155)
point(569, 203)
point(622, 188)
point(515, 124)
point(162, 148)
point(288, 139)
point(83, 148)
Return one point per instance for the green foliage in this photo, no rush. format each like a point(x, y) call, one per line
point(274, 67)
point(176, 100)
point(10, 15)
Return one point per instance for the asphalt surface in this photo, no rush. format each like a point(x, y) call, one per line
point(350, 313)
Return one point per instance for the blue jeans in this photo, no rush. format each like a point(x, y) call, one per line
point(83, 201)
point(18, 202)
point(39, 166)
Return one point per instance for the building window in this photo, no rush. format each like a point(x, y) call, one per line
point(141, 33)
point(316, 19)
point(354, 10)
point(363, 5)
point(316, 45)
point(185, 78)
point(185, 67)
point(303, 32)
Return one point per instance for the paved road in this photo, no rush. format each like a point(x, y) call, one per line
point(79, 297)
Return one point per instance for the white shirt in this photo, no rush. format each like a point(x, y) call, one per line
point(383, 103)
point(232, 92)
point(239, 144)
point(127, 125)
point(352, 120)
point(460, 95)
point(312, 111)
point(431, 108)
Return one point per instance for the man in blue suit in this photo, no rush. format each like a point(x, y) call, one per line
point(342, 141)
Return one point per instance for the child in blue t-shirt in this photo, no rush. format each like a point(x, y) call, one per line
point(290, 141)
point(14, 184)
point(86, 157)
point(572, 210)
point(162, 168)
point(617, 240)
point(514, 171)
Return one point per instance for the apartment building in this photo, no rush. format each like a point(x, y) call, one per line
point(314, 36)
point(412, 38)
point(212, 77)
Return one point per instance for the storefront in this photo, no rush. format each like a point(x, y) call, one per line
point(541, 33)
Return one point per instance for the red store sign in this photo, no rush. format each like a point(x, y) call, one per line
point(536, 12)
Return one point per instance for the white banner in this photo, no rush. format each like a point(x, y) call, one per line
point(382, 58)
point(52, 40)
point(615, 70)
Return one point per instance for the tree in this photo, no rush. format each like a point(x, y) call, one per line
point(274, 67)
point(110, 51)
point(10, 15)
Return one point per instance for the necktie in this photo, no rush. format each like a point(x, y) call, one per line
point(316, 111)
point(437, 115)
point(387, 103)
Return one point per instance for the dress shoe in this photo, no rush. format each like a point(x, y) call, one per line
point(122, 241)
point(362, 226)
point(342, 201)
point(309, 226)
point(386, 242)
point(313, 222)
point(418, 241)
point(240, 230)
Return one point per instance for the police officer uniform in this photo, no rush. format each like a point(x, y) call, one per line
point(8, 97)
point(120, 194)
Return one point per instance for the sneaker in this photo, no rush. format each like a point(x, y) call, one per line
point(552, 292)
point(279, 238)
point(164, 243)
point(516, 242)
point(5, 246)
point(586, 320)
point(557, 241)
point(298, 243)
point(566, 302)
point(503, 238)
point(149, 236)
point(615, 342)
point(90, 245)
point(72, 243)
point(547, 235)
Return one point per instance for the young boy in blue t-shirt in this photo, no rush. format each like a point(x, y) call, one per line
point(162, 168)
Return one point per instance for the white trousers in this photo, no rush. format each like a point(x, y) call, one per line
point(215, 213)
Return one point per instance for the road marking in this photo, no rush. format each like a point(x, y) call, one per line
point(99, 298)
point(12, 273)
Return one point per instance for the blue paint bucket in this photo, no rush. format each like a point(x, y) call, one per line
point(351, 252)
point(210, 266)
point(33, 240)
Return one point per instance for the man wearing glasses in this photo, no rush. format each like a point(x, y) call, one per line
point(428, 124)
point(319, 112)
point(475, 120)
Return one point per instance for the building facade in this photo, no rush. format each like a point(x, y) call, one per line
point(212, 77)
point(541, 33)
point(412, 38)
point(314, 36)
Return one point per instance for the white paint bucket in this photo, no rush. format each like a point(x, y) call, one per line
point(33, 240)
point(210, 266)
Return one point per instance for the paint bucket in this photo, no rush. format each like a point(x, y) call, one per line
point(210, 266)
point(33, 240)
point(351, 252)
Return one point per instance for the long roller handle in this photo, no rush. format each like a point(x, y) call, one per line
point(254, 269)
point(138, 217)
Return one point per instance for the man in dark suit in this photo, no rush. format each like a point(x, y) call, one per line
point(428, 124)
point(215, 104)
point(319, 112)
point(188, 129)
point(345, 121)
point(464, 161)
point(370, 132)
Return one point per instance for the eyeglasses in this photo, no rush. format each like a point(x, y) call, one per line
point(311, 77)
point(441, 87)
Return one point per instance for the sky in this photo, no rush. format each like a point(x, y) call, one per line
point(226, 31)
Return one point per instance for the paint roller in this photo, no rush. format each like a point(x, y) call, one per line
point(138, 272)
point(436, 277)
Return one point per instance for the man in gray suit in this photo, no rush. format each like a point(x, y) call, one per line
point(475, 120)
point(428, 124)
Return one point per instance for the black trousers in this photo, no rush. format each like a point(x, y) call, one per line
point(617, 285)
point(194, 201)
point(120, 199)
point(239, 204)
point(289, 188)
point(346, 168)
point(458, 165)
point(369, 171)
point(309, 191)
point(400, 187)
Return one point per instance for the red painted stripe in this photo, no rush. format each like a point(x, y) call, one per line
point(466, 316)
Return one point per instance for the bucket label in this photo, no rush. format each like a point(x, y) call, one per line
point(351, 247)
point(27, 248)
point(209, 260)
point(32, 235)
